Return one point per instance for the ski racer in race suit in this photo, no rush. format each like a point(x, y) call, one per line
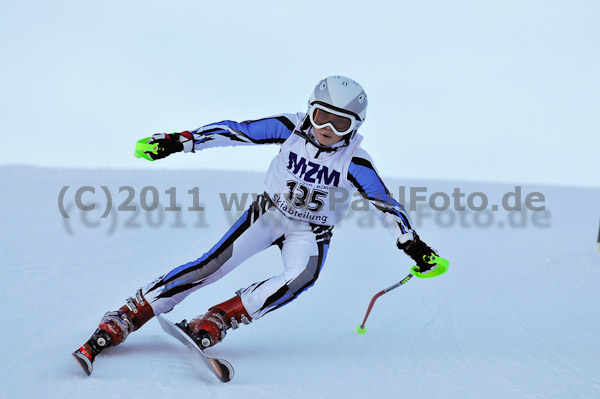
point(308, 189)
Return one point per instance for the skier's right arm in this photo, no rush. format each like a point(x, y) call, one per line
point(272, 130)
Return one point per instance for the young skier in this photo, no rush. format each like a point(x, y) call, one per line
point(308, 189)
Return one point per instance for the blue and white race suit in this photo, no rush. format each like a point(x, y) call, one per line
point(307, 191)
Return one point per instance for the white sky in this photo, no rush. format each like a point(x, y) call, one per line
point(470, 90)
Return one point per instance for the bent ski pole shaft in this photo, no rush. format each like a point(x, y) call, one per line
point(441, 268)
point(361, 329)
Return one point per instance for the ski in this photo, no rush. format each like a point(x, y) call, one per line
point(222, 369)
point(86, 354)
point(84, 359)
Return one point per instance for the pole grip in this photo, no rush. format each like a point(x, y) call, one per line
point(142, 146)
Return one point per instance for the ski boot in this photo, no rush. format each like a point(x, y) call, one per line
point(210, 329)
point(114, 329)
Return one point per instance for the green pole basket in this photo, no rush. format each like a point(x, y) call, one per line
point(442, 267)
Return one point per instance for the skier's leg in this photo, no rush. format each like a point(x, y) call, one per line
point(210, 328)
point(253, 232)
point(303, 250)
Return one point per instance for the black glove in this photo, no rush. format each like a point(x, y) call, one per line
point(168, 143)
point(420, 253)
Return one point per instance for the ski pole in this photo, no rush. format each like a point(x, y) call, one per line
point(442, 267)
point(361, 328)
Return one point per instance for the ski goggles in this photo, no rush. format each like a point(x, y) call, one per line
point(340, 122)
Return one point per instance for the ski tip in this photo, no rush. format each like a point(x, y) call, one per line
point(84, 362)
point(222, 369)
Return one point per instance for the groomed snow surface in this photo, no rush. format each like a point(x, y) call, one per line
point(515, 317)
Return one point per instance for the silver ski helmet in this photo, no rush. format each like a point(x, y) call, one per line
point(338, 102)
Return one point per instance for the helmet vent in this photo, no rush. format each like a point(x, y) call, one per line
point(323, 86)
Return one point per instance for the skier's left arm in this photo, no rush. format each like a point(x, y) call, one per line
point(365, 178)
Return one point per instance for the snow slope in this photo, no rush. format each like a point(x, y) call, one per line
point(515, 317)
